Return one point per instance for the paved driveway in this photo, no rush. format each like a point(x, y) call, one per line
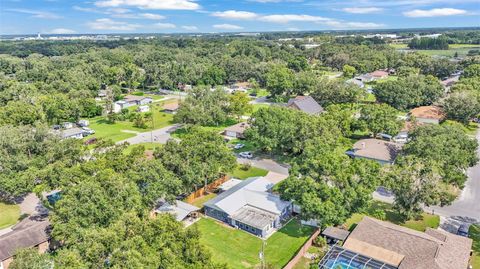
point(157, 136)
point(267, 164)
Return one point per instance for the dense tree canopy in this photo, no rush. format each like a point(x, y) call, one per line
point(380, 118)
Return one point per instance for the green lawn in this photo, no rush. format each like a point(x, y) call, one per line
point(474, 233)
point(240, 249)
point(257, 107)
point(181, 132)
point(249, 146)
point(426, 220)
point(9, 215)
point(115, 131)
point(148, 146)
point(202, 200)
point(461, 49)
point(251, 172)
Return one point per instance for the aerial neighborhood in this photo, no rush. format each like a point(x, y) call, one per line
point(233, 148)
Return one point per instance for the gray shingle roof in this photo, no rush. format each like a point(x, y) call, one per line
point(179, 209)
point(433, 249)
point(29, 232)
point(306, 104)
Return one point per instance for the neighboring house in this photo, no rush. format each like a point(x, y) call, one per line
point(77, 133)
point(171, 107)
point(384, 152)
point(365, 78)
point(32, 232)
point(229, 184)
point(83, 123)
point(237, 130)
point(357, 82)
point(184, 87)
point(119, 105)
point(379, 74)
point(138, 100)
point(143, 109)
point(180, 210)
point(67, 125)
point(241, 86)
point(428, 114)
point(378, 243)
point(306, 104)
point(250, 206)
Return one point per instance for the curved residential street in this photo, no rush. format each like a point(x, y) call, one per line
point(158, 136)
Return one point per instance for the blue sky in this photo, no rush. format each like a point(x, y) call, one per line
point(173, 16)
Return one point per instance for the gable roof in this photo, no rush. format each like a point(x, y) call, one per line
point(407, 248)
point(379, 73)
point(376, 149)
point(237, 128)
point(171, 106)
point(252, 192)
point(71, 132)
point(428, 112)
point(135, 98)
point(179, 209)
point(28, 233)
point(306, 104)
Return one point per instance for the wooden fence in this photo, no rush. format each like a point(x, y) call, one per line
point(302, 251)
point(205, 190)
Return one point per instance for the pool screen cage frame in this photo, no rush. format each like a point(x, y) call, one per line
point(352, 259)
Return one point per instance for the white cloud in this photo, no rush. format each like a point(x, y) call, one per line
point(235, 15)
point(61, 31)
point(164, 25)
point(362, 10)
point(36, 13)
point(151, 4)
point(190, 27)
point(286, 18)
point(344, 25)
point(109, 24)
point(151, 16)
point(436, 12)
point(292, 29)
point(119, 10)
point(227, 27)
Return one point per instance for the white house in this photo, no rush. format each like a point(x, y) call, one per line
point(143, 109)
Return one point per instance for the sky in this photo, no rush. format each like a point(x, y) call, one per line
point(190, 16)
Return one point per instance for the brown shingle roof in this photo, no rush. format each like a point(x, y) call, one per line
point(377, 149)
point(379, 74)
point(428, 112)
point(29, 232)
point(171, 106)
point(306, 104)
point(134, 98)
point(433, 249)
point(237, 128)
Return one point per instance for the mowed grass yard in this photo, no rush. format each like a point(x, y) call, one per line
point(240, 173)
point(426, 220)
point(240, 249)
point(461, 49)
point(9, 215)
point(474, 233)
point(116, 131)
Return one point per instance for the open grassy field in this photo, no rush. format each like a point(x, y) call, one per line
point(426, 220)
point(474, 233)
point(121, 130)
point(9, 215)
point(240, 249)
point(460, 49)
point(251, 172)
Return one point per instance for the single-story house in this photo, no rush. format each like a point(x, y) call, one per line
point(119, 105)
point(171, 107)
point(428, 114)
point(384, 152)
point(31, 232)
point(357, 82)
point(333, 234)
point(144, 108)
point(397, 247)
point(77, 133)
point(379, 74)
point(250, 206)
point(179, 209)
point(237, 130)
point(306, 104)
point(67, 125)
point(83, 123)
point(365, 78)
point(137, 100)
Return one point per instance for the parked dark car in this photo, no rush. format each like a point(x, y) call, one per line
point(463, 230)
point(91, 141)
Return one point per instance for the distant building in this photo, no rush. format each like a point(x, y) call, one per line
point(384, 152)
point(138, 100)
point(83, 123)
point(357, 82)
point(428, 114)
point(250, 206)
point(379, 74)
point(67, 125)
point(237, 130)
point(365, 78)
point(305, 104)
point(171, 107)
point(77, 133)
point(382, 245)
point(32, 232)
point(143, 109)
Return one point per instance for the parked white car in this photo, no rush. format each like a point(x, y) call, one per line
point(239, 146)
point(87, 131)
point(246, 155)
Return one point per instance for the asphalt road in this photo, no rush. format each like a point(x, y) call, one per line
point(158, 136)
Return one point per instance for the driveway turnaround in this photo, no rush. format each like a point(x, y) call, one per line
point(156, 136)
